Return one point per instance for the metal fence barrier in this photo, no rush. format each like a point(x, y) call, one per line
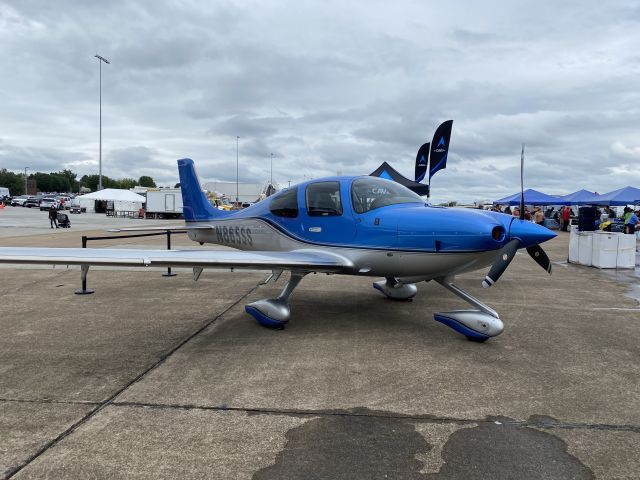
point(85, 268)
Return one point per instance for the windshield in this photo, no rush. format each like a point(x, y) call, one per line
point(369, 193)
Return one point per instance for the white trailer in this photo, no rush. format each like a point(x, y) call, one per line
point(164, 203)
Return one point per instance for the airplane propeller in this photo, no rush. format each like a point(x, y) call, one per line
point(537, 253)
point(501, 263)
point(506, 253)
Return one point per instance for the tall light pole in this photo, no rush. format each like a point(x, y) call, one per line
point(237, 170)
point(100, 60)
point(271, 176)
point(25, 180)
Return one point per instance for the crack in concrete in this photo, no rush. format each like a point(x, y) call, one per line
point(542, 422)
point(101, 405)
point(535, 421)
point(49, 401)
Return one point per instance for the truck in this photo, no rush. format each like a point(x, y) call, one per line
point(164, 203)
point(4, 193)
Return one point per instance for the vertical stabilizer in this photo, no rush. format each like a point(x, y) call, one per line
point(195, 204)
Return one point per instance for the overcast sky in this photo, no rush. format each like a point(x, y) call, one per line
point(328, 87)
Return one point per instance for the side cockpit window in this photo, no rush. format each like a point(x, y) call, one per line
point(285, 204)
point(323, 199)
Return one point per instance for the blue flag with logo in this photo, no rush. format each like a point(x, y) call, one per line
point(440, 147)
point(422, 160)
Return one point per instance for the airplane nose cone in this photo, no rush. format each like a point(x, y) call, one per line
point(529, 233)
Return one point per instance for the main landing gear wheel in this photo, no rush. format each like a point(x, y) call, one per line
point(477, 339)
point(275, 312)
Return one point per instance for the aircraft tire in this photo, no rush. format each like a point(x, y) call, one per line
point(477, 339)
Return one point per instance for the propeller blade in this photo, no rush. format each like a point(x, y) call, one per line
point(501, 263)
point(522, 183)
point(541, 258)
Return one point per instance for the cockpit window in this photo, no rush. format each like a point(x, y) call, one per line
point(323, 199)
point(369, 193)
point(285, 204)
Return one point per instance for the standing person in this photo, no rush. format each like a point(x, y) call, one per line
point(507, 210)
point(630, 224)
point(53, 216)
point(566, 218)
point(538, 216)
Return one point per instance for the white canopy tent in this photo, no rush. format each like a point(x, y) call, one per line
point(123, 200)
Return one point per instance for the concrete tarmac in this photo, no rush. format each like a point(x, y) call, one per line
point(154, 377)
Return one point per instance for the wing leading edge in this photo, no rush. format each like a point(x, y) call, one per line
point(310, 260)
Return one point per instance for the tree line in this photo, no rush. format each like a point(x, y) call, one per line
point(67, 181)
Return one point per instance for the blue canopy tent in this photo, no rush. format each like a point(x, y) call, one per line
point(531, 197)
point(620, 197)
point(581, 197)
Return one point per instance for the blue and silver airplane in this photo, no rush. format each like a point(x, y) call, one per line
point(364, 226)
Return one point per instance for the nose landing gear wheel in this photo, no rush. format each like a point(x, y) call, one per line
point(394, 290)
point(477, 325)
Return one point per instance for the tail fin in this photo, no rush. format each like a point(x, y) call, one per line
point(195, 204)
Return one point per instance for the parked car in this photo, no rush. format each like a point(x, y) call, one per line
point(47, 202)
point(75, 206)
point(31, 202)
point(19, 201)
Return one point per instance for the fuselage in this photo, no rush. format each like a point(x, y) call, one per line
point(384, 230)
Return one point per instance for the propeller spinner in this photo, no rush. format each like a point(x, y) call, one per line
point(522, 234)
